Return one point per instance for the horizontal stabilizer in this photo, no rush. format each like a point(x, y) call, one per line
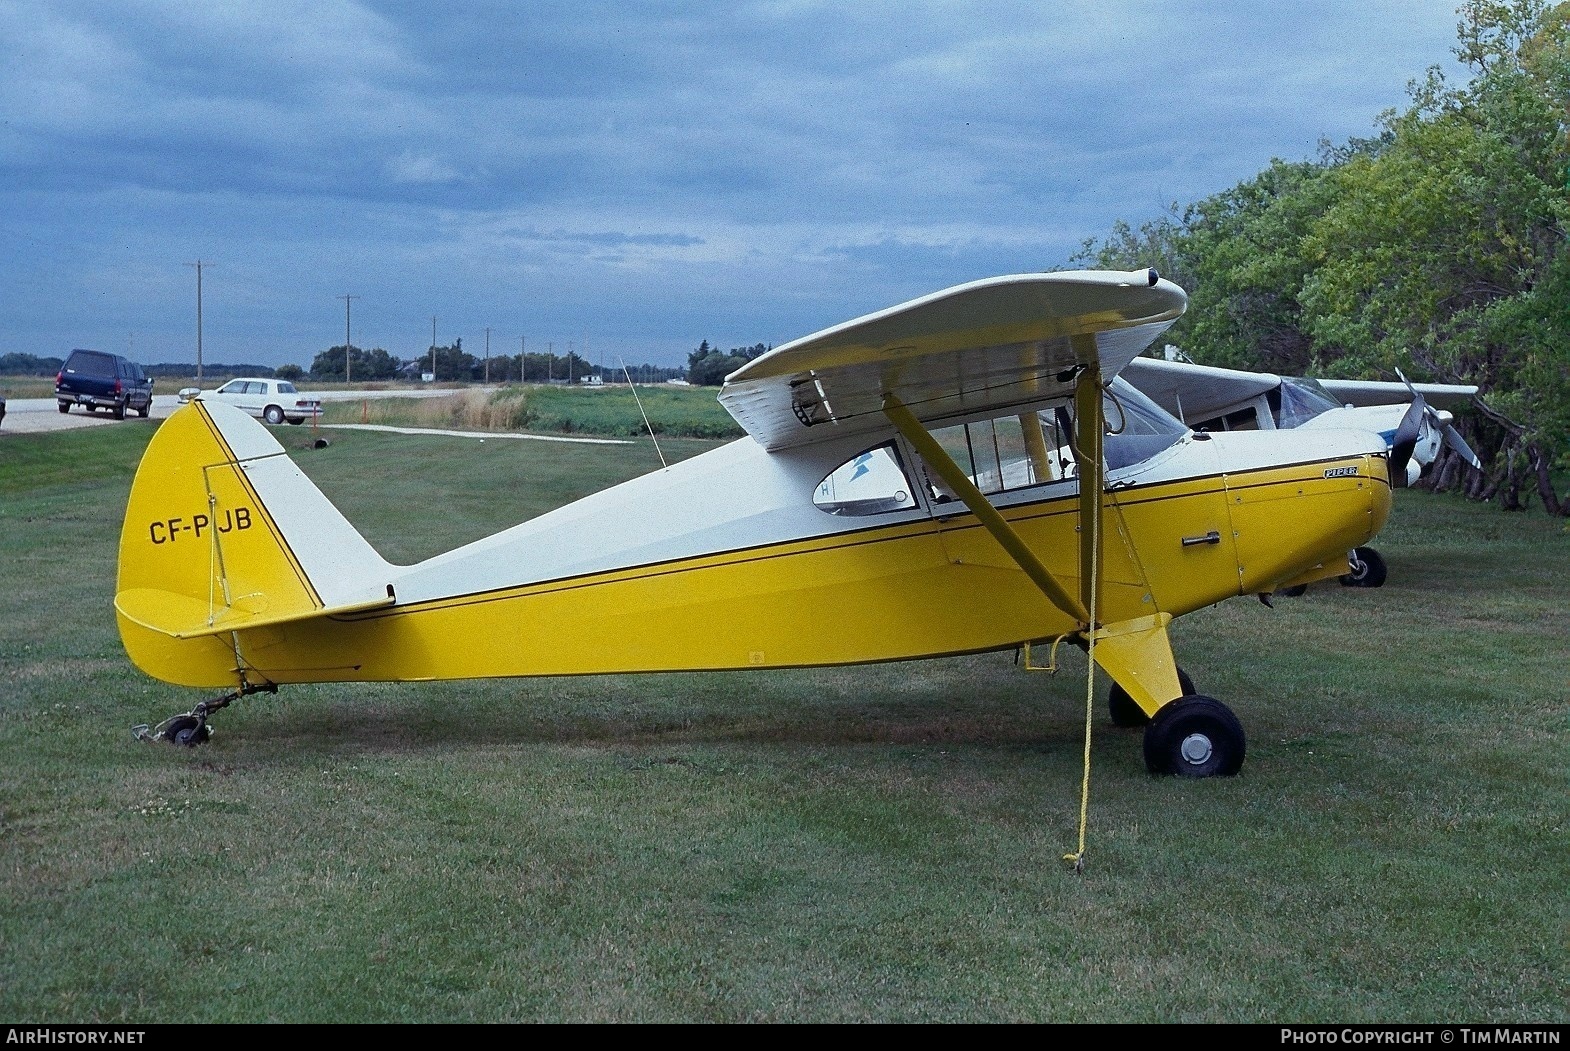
point(183, 617)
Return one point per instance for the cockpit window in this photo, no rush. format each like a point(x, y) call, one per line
point(1018, 451)
point(870, 483)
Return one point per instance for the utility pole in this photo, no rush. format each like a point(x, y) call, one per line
point(346, 336)
point(487, 354)
point(523, 358)
point(550, 362)
point(433, 349)
point(198, 264)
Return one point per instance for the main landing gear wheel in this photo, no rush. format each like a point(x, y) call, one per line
point(1368, 569)
point(1195, 736)
point(1125, 712)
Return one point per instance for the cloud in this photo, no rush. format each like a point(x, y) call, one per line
point(409, 166)
point(667, 172)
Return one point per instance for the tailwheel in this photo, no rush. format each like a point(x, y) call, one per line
point(190, 729)
point(187, 731)
point(1126, 712)
point(1195, 736)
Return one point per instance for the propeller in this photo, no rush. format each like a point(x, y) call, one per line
point(1422, 422)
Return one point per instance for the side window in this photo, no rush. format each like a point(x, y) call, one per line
point(870, 483)
point(1005, 453)
point(284, 387)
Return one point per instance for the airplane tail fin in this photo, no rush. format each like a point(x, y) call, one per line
point(224, 533)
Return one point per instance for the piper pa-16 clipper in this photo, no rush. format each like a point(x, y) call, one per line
point(957, 474)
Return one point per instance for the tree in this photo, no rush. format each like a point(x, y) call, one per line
point(708, 366)
point(289, 372)
point(375, 364)
point(1436, 246)
point(15, 364)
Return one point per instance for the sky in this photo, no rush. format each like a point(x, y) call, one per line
point(622, 179)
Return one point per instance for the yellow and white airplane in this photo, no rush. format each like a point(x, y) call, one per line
point(960, 473)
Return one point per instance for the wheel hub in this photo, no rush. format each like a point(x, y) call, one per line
point(1195, 749)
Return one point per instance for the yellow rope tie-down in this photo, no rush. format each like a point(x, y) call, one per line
point(1088, 447)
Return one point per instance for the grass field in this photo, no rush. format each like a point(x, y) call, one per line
point(611, 411)
point(862, 844)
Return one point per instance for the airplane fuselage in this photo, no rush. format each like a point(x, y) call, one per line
point(725, 561)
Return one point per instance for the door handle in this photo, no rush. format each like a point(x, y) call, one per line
point(1212, 537)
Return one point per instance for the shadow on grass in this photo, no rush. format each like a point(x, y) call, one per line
point(656, 712)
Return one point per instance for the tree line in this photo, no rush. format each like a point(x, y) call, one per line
point(1436, 246)
point(452, 363)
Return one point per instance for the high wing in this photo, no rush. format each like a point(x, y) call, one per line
point(1197, 392)
point(984, 345)
point(1361, 393)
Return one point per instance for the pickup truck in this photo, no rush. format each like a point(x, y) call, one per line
point(98, 380)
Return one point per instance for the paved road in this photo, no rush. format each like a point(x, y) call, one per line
point(32, 415)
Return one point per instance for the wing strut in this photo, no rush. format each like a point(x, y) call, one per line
point(956, 479)
point(1135, 652)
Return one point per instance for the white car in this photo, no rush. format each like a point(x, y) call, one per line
point(272, 400)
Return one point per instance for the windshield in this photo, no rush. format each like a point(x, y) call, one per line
point(1302, 400)
point(1137, 428)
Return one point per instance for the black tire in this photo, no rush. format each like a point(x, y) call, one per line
point(119, 411)
point(1368, 569)
point(144, 410)
point(273, 415)
point(295, 421)
point(65, 406)
point(187, 731)
point(1195, 736)
point(1126, 713)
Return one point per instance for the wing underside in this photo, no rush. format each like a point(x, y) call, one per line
point(981, 346)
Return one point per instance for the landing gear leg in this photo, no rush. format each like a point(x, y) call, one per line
point(190, 729)
point(1126, 712)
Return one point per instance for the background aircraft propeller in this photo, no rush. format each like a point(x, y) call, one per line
point(1423, 422)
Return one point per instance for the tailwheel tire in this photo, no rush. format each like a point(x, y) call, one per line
point(1368, 569)
point(1126, 712)
point(1195, 736)
point(187, 731)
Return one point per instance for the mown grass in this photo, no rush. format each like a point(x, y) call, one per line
point(862, 844)
point(612, 411)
